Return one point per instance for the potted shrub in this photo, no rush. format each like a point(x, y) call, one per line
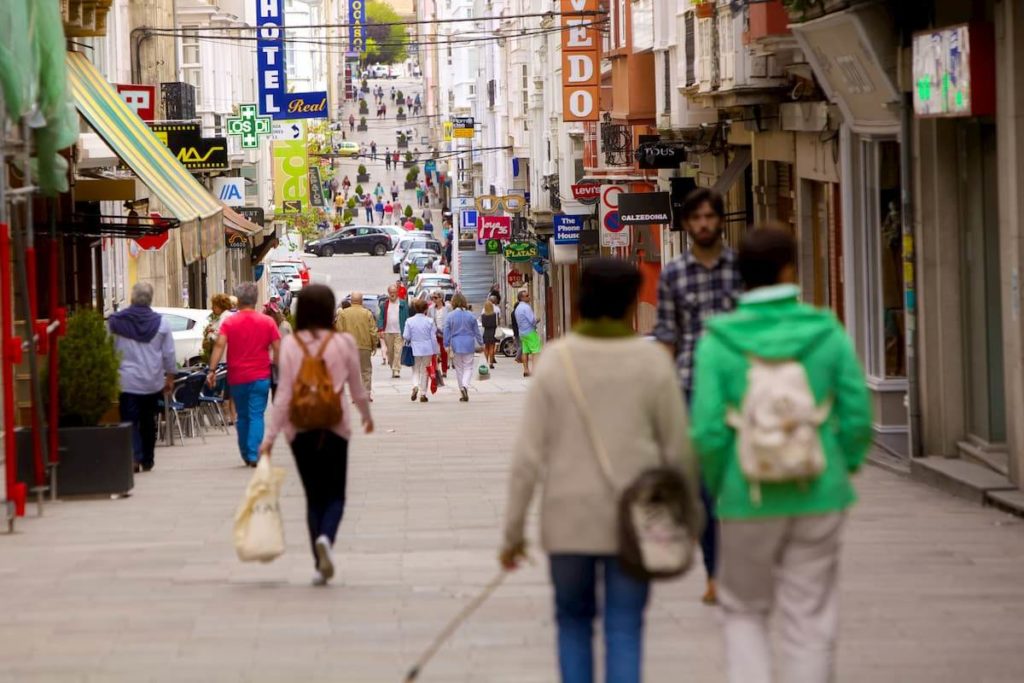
point(94, 459)
point(362, 123)
point(361, 177)
point(403, 141)
point(364, 108)
point(410, 183)
point(399, 98)
point(359, 190)
point(400, 116)
point(351, 203)
point(418, 222)
point(365, 87)
point(408, 210)
point(409, 163)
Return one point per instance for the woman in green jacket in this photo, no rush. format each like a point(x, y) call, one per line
point(779, 536)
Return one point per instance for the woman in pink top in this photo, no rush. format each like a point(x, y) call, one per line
point(321, 455)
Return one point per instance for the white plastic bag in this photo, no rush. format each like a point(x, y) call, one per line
point(259, 532)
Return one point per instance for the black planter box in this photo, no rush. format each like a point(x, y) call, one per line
point(364, 178)
point(93, 460)
point(400, 117)
point(403, 145)
point(410, 184)
point(361, 128)
point(408, 164)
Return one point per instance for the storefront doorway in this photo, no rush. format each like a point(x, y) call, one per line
point(982, 315)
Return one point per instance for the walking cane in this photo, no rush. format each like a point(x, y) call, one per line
point(454, 624)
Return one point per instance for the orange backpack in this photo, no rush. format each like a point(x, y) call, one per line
point(314, 404)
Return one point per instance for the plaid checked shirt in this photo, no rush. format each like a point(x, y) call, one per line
point(688, 295)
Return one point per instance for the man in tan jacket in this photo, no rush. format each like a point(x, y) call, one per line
point(360, 323)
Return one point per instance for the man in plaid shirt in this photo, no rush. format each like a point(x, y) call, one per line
point(701, 283)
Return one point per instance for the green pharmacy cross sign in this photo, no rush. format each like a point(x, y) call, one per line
point(249, 125)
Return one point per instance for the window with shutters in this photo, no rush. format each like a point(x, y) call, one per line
point(690, 53)
point(727, 49)
point(622, 24)
point(704, 48)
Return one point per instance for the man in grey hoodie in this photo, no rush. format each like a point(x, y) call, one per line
point(143, 339)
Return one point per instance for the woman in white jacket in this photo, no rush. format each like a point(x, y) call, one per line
point(634, 400)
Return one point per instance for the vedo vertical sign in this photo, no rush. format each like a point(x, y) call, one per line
point(581, 61)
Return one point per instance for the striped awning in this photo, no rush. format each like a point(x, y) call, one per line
point(136, 145)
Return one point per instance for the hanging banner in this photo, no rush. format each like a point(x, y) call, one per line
point(291, 179)
point(517, 252)
point(581, 61)
point(494, 228)
point(274, 99)
point(316, 187)
point(356, 26)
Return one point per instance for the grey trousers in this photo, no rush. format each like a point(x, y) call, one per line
point(791, 563)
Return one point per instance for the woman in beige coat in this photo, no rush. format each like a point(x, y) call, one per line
point(634, 400)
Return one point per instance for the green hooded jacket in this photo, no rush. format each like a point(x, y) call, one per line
point(770, 323)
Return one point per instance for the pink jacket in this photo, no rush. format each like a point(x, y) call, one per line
point(342, 358)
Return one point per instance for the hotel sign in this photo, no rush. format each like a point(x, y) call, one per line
point(274, 99)
point(581, 61)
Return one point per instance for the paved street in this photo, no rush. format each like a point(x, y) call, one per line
point(148, 589)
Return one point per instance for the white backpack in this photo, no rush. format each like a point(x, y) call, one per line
point(778, 424)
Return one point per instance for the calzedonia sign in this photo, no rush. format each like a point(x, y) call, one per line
point(645, 208)
point(275, 100)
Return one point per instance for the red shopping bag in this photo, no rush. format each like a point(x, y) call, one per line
point(432, 374)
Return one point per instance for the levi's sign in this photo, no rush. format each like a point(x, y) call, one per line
point(581, 60)
point(587, 193)
point(275, 100)
point(644, 208)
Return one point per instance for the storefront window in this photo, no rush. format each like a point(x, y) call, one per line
point(887, 357)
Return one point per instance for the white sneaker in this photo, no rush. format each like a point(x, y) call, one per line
point(324, 564)
point(318, 580)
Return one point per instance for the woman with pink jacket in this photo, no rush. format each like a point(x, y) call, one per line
point(321, 455)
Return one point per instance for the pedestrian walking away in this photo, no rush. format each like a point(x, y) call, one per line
point(781, 503)
point(373, 150)
point(145, 346)
point(438, 312)
point(351, 122)
point(526, 323)
point(489, 321)
point(368, 207)
point(387, 160)
point(389, 212)
point(391, 322)
point(462, 336)
point(701, 283)
point(394, 190)
point(359, 322)
point(421, 334)
point(320, 450)
point(379, 208)
point(634, 401)
point(253, 341)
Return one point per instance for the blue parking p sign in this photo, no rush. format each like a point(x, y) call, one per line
point(568, 228)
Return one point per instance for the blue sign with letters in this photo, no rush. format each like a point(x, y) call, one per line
point(568, 228)
point(357, 26)
point(274, 99)
point(469, 218)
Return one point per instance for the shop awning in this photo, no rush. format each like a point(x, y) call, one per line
point(736, 167)
point(239, 223)
point(134, 143)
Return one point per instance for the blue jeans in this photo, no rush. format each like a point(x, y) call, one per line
point(250, 403)
point(575, 579)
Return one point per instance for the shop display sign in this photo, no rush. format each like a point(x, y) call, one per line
point(581, 61)
point(249, 126)
point(274, 99)
point(235, 240)
point(492, 247)
point(517, 252)
point(141, 99)
point(568, 228)
point(253, 214)
point(645, 208)
point(587, 193)
point(494, 227)
point(195, 152)
point(357, 26)
point(651, 155)
point(954, 71)
point(463, 126)
point(316, 187)
point(515, 279)
point(291, 179)
point(230, 190)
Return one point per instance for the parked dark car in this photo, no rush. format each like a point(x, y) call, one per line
point(359, 240)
